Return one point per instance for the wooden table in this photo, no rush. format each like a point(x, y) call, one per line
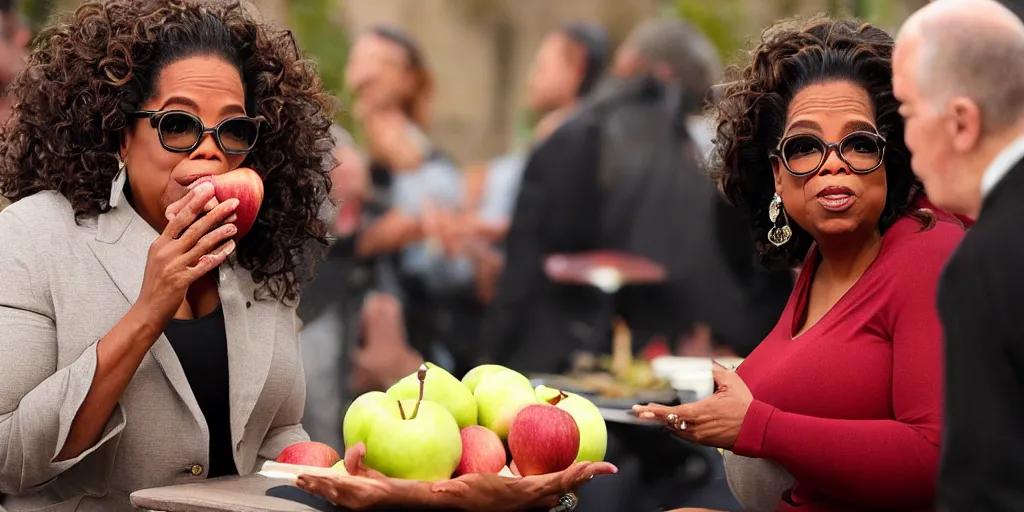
point(252, 493)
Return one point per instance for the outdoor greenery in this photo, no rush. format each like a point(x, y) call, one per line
point(720, 21)
point(726, 24)
point(322, 37)
point(37, 12)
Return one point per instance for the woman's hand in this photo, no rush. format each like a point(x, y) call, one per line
point(714, 421)
point(191, 245)
point(364, 488)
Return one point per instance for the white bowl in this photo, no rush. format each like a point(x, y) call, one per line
point(691, 373)
point(701, 383)
point(667, 366)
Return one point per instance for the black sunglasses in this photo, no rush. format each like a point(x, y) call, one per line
point(805, 153)
point(181, 132)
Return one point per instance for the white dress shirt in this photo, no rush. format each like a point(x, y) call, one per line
point(1001, 165)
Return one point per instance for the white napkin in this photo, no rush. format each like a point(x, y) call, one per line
point(291, 472)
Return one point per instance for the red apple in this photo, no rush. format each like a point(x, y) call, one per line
point(543, 439)
point(244, 185)
point(482, 451)
point(309, 453)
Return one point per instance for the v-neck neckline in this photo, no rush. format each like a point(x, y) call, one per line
point(803, 290)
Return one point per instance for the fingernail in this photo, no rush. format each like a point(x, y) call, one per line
point(231, 219)
point(233, 203)
point(232, 229)
point(204, 187)
point(647, 415)
point(228, 248)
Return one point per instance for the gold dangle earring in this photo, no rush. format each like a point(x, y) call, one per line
point(778, 235)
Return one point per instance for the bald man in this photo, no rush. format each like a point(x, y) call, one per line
point(959, 73)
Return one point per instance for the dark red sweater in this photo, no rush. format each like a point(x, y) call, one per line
point(852, 407)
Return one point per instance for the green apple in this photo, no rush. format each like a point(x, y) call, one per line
point(593, 430)
point(440, 387)
point(500, 396)
point(362, 413)
point(473, 377)
point(423, 444)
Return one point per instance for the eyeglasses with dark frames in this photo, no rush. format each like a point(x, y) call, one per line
point(804, 153)
point(182, 132)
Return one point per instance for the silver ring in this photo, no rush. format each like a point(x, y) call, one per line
point(566, 503)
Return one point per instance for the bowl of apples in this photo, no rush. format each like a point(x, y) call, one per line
point(490, 441)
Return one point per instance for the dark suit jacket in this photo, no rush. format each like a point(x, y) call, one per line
point(982, 311)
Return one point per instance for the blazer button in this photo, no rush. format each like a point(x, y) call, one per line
point(248, 303)
point(197, 469)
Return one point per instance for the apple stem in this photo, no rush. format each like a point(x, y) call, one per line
point(422, 376)
point(561, 396)
point(401, 409)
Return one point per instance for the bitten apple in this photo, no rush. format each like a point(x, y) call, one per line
point(246, 186)
point(482, 451)
point(543, 439)
point(309, 453)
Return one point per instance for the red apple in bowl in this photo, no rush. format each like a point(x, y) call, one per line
point(246, 186)
point(543, 439)
point(309, 453)
point(482, 451)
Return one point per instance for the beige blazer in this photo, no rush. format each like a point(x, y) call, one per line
point(62, 287)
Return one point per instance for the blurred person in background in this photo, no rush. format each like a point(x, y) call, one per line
point(839, 408)
point(393, 89)
point(569, 63)
point(336, 310)
point(14, 39)
point(623, 173)
point(960, 76)
point(722, 283)
point(674, 52)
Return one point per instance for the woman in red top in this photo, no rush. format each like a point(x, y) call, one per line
point(839, 408)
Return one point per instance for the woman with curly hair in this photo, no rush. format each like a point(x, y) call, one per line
point(143, 345)
point(840, 406)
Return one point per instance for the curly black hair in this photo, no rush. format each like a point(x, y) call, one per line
point(751, 116)
point(87, 71)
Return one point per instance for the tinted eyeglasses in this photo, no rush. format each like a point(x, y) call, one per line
point(181, 132)
point(805, 153)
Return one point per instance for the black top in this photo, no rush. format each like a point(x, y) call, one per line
point(981, 305)
point(202, 349)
